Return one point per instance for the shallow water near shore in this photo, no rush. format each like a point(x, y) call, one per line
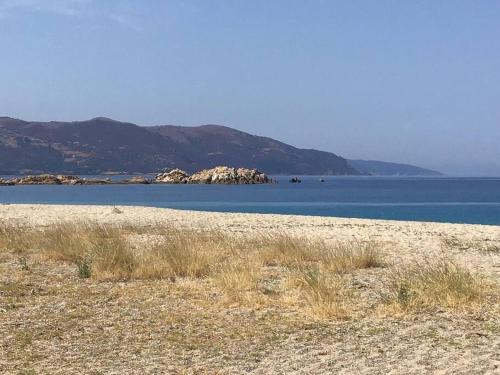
point(454, 200)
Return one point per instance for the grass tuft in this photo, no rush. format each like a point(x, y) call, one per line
point(290, 251)
point(182, 253)
point(98, 251)
point(112, 258)
point(239, 281)
point(437, 283)
point(23, 263)
point(17, 239)
point(285, 250)
point(84, 267)
point(326, 294)
point(349, 256)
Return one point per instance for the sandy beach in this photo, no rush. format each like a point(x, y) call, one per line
point(139, 337)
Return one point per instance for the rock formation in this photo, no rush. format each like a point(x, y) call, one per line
point(251, 176)
point(175, 176)
point(227, 175)
point(217, 175)
point(49, 179)
point(43, 179)
point(69, 180)
point(5, 182)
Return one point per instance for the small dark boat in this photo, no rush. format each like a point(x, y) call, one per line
point(295, 180)
point(321, 180)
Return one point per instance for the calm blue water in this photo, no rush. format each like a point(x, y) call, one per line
point(457, 200)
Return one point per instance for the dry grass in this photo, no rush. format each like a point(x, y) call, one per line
point(326, 294)
point(15, 238)
point(100, 252)
point(105, 252)
point(285, 250)
point(185, 252)
point(349, 256)
point(435, 283)
point(182, 253)
point(237, 266)
point(209, 299)
point(234, 265)
point(236, 301)
point(239, 281)
point(112, 259)
point(289, 251)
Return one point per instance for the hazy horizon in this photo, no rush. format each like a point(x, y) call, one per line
point(413, 82)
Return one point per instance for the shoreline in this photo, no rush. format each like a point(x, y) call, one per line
point(167, 211)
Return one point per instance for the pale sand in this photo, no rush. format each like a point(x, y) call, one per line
point(440, 343)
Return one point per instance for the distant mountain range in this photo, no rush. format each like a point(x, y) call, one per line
point(102, 145)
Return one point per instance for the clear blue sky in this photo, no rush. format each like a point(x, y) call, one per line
point(407, 81)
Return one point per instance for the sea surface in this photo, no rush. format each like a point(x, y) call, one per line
point(454, 200)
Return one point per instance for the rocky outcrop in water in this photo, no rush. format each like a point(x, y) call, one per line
point(175, 176)
point(5, 182)
point(251, 176)
point(217, 175)
point(70, 180)
point(43, 179)
point(49, 179)
point(227, 175)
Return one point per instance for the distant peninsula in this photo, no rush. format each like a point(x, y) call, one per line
point(382, 168)
point(106, 146)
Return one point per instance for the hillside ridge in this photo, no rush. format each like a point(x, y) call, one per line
point(103, 145)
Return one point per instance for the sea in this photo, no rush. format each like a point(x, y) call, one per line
point(436, 199)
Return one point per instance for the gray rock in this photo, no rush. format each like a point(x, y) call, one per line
point(228, 175)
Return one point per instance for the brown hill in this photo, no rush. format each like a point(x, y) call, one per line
point(104, 145)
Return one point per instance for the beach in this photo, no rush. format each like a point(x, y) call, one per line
point(407, 239)
point(160, 326)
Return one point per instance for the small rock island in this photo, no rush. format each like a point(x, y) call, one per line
point(217, 175)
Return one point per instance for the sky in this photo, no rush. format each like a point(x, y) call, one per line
point(405, 81)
